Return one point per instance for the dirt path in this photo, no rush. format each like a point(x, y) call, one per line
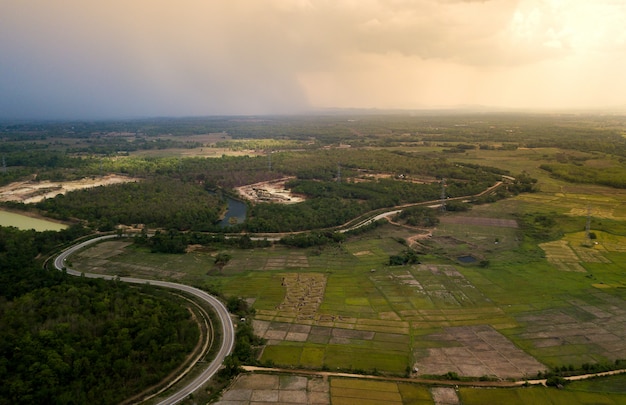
point(493, 384)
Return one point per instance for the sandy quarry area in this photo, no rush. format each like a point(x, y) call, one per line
point(269, 191)
point(34, 191)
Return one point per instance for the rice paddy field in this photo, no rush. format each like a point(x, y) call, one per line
point(526, 305)
point(345, 308)
point(300, 389)
point(536, 395)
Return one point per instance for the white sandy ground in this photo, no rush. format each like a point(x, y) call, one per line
point(273, 191)
point(33, 191)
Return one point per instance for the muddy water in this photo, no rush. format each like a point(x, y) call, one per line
point(25, 222)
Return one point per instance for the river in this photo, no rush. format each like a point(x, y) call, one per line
point(235, 213)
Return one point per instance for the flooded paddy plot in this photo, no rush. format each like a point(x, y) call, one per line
point(475, 351)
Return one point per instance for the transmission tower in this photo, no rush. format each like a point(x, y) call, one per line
point(442, 207)
point(588, 227)
point(269, 161)
point(4, 165)
point(338, 172)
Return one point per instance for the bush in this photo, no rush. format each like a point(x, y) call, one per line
point(407, 257)
point(556, 381)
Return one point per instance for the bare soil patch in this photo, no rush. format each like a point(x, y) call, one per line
point(601, 328)
point(270, 191)
point(444, 396)
point(263, 388)
point(480, 351)
point(33, 191)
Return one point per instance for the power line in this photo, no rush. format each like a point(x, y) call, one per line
point(442, 207)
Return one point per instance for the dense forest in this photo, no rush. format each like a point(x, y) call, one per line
point(66, 340)
point(158, 202)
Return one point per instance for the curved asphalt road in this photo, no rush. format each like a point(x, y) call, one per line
point(228, 331)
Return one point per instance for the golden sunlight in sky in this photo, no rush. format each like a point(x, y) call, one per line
point(82, 59)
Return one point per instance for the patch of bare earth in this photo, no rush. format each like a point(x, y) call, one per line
point(444, 396)
point(477, 351)
point(270, 191)
point(264, 389)
point(601, 326)
point(33, 191)
point(414, 241)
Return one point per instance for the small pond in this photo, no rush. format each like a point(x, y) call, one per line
point(467, 259)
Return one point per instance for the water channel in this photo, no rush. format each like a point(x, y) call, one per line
point(235, 212)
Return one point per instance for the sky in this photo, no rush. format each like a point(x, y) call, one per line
point(79, 59)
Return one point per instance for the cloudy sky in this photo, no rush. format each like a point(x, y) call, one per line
point(129, 58)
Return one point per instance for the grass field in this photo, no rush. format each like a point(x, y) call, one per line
point(351, 391)
point(612, 384)
point(537, 396)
